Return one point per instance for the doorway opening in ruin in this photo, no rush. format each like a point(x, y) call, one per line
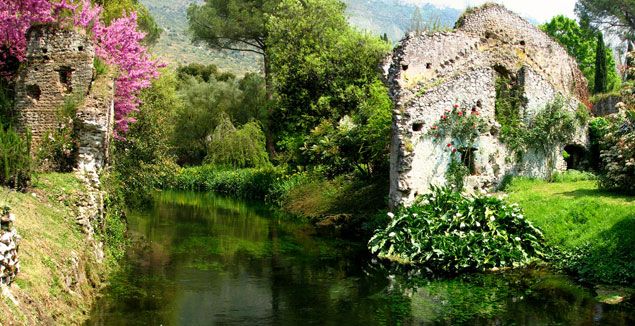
point(468, 156)
point(574, 155)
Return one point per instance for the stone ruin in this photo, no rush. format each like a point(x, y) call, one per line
point(59, 67)
point(9, 239)
point(429, 73)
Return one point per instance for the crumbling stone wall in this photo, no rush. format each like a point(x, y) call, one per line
point(9, 239)
point(429, 73)
point(59, 63)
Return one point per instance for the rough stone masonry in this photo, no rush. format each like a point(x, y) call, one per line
point(429, 73)
point(9, 263)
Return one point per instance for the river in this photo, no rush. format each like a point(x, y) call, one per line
point(200, 259)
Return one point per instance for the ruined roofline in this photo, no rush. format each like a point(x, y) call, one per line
point(470, 11)
point(488, 34)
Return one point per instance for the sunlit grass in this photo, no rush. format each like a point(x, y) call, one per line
point(597, 226)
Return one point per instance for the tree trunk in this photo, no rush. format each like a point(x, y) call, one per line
point(271, 148)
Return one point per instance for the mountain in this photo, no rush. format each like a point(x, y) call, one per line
point(392, 17)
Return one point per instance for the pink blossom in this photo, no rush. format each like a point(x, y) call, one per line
point(119, 44)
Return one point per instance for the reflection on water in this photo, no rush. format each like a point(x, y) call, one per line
point(199, 259)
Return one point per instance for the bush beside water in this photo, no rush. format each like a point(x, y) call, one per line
point(451, 232)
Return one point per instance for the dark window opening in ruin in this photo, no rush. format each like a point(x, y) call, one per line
point(479, 104)
point(417, 126)
point(468, 156)
point(428, 65)
point(33, 91)
point(45, 58)
point(44, 50)
point(66, 77)
point(522, 43)
point(574, 155)
point(80, 48)
point(404, 67)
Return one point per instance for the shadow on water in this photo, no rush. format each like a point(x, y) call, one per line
point(199, 259)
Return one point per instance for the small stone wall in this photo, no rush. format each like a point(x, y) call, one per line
point(9, 239)
point(606, 106)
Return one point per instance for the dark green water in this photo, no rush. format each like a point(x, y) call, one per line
point(199, 259)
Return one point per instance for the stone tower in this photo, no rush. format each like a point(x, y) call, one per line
point(59, 64)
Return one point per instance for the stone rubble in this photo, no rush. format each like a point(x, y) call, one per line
point(9, 244)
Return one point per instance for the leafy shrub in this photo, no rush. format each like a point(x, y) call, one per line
point(15, 159)
point(58, 150)
point(552, 125)
point(237, 147)
point(451, 232)
point(572, 176)
point(597, 130)
point(252, 183)
point(618, 153)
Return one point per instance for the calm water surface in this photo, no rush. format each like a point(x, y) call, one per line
point(199, 259)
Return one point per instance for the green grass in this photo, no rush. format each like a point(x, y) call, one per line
point(591, 230)
point(51, 237)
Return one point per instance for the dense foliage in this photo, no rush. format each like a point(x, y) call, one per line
point(208, 96)
point(324, 71)
point(552, 125)
point(237, 147)
point(250, 183)
point(145, 159)
point(447, 231)
point(16, 165)
point(618, 153)
point(581, 42)
point(617, 15)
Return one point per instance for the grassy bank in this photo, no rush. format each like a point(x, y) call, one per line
point(591, 230)
point(59, 274)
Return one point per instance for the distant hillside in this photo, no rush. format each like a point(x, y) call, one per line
point(375, 16)
point(393, 17)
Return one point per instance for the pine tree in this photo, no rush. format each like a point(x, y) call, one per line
point(601, 85)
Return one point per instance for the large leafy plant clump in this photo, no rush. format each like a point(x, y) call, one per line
point(119, 44)
point(618, 153)
point(450, 232)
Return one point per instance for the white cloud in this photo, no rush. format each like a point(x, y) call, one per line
point(541, 10)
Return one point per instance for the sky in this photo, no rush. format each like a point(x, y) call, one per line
point(540, 10)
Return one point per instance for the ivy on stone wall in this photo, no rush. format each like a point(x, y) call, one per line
point(462, 128)
point(552, 125)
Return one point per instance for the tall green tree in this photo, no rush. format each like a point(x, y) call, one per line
point(618, 15)
point(325, 75)
point(580, 41)
point(600, 84)
point(239, 25)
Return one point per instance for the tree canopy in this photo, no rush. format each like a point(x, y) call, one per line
point(580, 41)
point(618, 15)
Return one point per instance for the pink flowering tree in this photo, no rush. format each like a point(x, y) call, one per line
point(118, 44)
